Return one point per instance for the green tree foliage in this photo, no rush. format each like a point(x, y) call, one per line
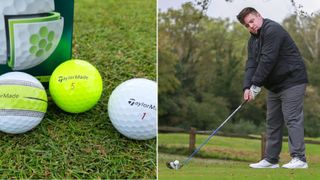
point(201, 66)
point(311, 111)
point(167, 75)
point(220, 59)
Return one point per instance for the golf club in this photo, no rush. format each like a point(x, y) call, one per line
point(176, 165)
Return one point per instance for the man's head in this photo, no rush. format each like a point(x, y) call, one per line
point(251, 19)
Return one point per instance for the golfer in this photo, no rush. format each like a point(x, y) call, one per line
point(275, 63)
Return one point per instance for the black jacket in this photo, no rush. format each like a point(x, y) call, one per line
point(274, 60)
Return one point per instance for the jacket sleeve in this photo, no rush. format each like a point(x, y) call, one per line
point(272, 38)
point(250, 68)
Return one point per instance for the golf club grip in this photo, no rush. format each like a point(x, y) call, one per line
point(214, 132)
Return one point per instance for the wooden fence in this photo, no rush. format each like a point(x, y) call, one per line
point(193, 132)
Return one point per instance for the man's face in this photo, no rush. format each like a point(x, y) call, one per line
point(253, 22)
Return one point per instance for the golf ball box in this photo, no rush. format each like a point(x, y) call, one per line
point(35, 36)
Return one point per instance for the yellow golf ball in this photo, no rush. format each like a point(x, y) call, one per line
point(75, 86)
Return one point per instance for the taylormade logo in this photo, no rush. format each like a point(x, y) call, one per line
point(133, 102)
point(66, 78)
point(9, 96)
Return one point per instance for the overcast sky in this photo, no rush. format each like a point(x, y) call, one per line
point(273, 9)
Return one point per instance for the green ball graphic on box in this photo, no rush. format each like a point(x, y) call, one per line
point(35, 36)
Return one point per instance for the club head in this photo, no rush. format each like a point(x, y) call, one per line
point(172, 165)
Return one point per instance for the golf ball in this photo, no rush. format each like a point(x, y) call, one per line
point(132, 108)
point(75, 86)
point(176, 162)
point(23, 102)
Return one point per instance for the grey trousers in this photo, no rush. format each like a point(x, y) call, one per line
point(285, 108)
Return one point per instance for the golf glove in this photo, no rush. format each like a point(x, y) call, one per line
point(254, 90)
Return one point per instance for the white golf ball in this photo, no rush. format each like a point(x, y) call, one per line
point(132, 108)
point(176, 162)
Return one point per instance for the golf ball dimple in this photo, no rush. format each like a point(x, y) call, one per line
point(29, 51)
point(132, 108)
point(75, 86)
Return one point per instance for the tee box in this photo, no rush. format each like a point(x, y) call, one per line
point(35, 36)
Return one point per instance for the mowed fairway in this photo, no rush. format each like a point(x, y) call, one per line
point(224, 168)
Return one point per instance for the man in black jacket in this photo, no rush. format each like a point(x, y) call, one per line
point(275, 62)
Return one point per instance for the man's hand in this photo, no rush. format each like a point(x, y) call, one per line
point(247, 95)
point(250, 94)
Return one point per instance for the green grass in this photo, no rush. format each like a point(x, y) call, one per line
point(119, 38)
point(228, 158)
point(223, 169)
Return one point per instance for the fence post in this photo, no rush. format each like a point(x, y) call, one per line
point(263, 144)
point(192, 139)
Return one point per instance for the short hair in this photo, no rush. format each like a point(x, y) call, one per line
point(245, 12)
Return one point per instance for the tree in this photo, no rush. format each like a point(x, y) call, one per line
point(176, 45)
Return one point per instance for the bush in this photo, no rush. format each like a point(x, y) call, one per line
point(244, 127)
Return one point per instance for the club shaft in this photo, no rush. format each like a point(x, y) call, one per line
point(213, 133)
